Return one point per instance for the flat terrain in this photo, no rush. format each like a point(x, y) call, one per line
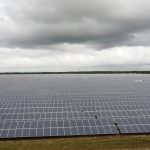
point(141, 142)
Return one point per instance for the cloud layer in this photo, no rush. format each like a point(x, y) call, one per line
point(85, 35)
point(79, 58)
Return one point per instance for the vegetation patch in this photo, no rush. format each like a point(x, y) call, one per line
point(82, 143)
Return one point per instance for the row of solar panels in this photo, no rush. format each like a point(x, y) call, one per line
point(73, 115)
point(60, 108)
point(67, 95)
point(41, 128)
point(80, 104)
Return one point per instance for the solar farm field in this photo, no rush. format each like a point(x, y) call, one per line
point(74, 105)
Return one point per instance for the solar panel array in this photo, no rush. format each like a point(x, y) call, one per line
point(71, 105)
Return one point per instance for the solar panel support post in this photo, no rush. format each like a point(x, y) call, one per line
point(118, 128)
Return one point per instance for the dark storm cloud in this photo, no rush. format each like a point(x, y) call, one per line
point(101, 23)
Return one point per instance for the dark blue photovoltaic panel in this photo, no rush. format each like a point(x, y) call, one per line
point(70, 105)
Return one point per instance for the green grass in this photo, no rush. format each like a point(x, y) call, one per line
point(82, 143)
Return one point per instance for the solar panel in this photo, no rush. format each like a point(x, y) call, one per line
point(73, 105)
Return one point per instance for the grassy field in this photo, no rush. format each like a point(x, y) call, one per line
point(81, 143)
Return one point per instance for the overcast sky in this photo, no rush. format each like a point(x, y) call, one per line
point(68, 35)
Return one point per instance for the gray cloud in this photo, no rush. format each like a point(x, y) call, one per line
point(105, 23)
point(58, 35)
